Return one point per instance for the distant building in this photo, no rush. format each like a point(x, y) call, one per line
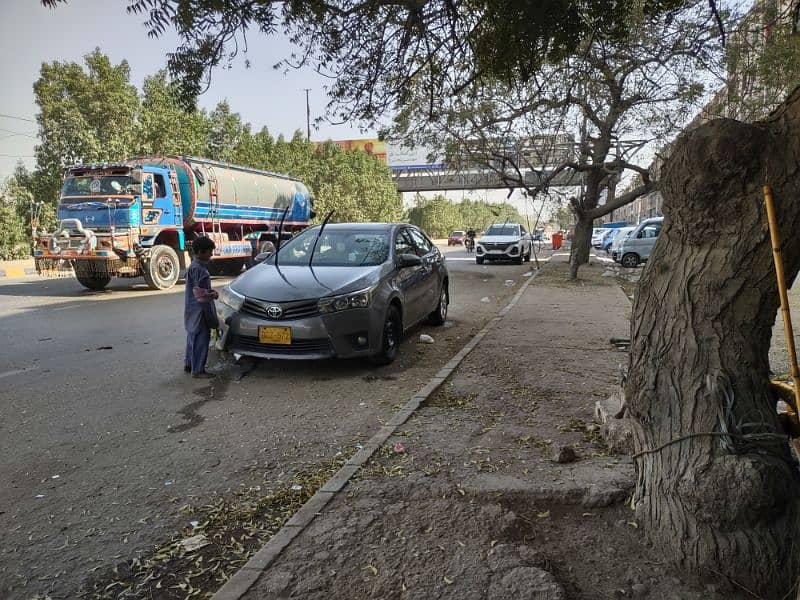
point(752, 91)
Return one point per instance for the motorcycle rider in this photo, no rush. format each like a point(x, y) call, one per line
point(469, 241)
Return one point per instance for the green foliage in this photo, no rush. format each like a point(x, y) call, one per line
point(91, 112)
point(84, 115)
point(372, 49)
point(438, 216)
point(354, 184)
point(14, 202)
point(164, 126)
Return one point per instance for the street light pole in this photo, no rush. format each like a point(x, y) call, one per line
point(308, 116)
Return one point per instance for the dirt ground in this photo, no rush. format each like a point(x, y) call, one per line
point(473, 505)
point(105, 471)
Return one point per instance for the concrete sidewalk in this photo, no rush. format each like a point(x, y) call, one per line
point(499, 485)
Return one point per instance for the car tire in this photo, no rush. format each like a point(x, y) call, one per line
point(93, 282)
point(439, 315)
point(630, 260)
point(528, 255)
point(519, 259)
point(478, 260)
point(391, 336)
point(163, 268)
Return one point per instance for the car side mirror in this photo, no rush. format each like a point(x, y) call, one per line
point(262, 256)
point(408, 260)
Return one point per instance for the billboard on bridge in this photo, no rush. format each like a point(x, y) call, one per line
point(372, 146)
point(394, 155)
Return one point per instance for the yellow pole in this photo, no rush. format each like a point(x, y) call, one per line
point(787, 318)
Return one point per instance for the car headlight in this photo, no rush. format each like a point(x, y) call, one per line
point(360, 299)
point(231, 299)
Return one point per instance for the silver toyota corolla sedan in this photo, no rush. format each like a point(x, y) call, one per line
point(343, 290)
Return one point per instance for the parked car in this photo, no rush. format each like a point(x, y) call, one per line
point(597, 236)
point(636, 248)
point(456, 238)
point(616, 241)
point(343, 290)
point(504, 241)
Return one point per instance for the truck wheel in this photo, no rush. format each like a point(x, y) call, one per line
point(162, 269)
point(93, 282)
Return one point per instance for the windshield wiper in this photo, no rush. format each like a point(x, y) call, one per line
point(280, 229)
point(319, 235)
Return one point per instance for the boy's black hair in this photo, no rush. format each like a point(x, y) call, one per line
point(203, 244)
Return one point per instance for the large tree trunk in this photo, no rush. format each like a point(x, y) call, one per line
point(699, 366)
point(581, 241)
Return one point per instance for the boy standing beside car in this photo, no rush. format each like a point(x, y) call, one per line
point(199, 314)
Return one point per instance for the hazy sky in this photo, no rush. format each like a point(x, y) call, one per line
point(31, 35)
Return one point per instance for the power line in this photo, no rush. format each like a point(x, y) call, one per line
point(17, 118)
point(19, 133)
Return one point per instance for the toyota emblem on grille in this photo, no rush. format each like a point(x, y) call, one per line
point(274, 311)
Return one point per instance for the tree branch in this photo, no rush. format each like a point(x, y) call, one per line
point(622, 200)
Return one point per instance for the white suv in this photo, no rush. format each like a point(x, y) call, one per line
point(504, 241)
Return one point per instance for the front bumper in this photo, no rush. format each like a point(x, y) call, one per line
point(332, 335)
point(494, 253)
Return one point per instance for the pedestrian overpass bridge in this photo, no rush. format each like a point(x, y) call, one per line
point(439, 177)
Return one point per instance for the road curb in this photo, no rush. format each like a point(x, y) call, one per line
point(238, 585)
point(17, 272)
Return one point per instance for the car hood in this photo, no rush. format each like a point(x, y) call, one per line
point(500, 239)
point(286, 284)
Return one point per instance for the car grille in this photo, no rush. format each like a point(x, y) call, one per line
point(291, 310)
point(495, 246)
point(314, 346)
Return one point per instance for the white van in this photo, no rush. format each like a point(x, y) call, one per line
point(636, 248)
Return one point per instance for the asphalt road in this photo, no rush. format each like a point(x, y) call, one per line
point(103, 438)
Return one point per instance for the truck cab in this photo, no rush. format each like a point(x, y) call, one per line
point(109, 216)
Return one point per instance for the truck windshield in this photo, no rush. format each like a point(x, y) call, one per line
point(104, 185)
point(337, 248)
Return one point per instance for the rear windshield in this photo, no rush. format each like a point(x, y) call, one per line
point(503, 230)
point(455, 233)
point(336, 248)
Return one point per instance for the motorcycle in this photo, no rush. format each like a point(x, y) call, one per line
point(469, 244)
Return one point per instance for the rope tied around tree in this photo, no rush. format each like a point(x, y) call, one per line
point(736, 437)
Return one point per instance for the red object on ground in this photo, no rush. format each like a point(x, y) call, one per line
point(558, 239)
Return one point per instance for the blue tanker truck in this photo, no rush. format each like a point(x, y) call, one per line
point(138, 218)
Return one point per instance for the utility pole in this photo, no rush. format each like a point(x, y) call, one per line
point(308, 116)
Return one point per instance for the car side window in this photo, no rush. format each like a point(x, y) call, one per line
point(403, 244)
point(522, 229)
point(650, 231)
point(423, 246)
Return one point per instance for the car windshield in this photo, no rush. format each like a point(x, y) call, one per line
point(96, 186)
point(336, 248)
point(503, 230)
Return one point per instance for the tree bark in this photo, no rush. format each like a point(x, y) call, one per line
point(581, 242)
point(701, 329)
